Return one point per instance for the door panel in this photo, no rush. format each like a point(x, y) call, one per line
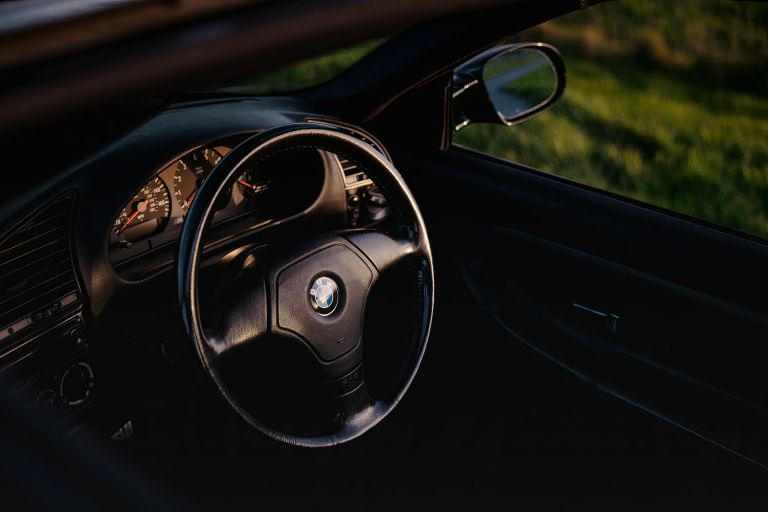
point(656, 309)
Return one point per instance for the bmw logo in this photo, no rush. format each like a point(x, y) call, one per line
point(324, 296)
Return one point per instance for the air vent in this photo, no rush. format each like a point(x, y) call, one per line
point(36, 277)
point(352, 175)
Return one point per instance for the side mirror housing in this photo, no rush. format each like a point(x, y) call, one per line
point(507, 84)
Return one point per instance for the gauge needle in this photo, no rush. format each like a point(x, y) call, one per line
point(246, 184)
point(191, 197)
point(139, 208)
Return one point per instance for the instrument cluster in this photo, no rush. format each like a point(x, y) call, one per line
point(152, 218)
point(165, 199)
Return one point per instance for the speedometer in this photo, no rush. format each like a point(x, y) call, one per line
point(191, 170)
point(146, 214)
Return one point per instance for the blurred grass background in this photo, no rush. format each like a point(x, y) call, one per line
point(306, 72)
point(666, 102)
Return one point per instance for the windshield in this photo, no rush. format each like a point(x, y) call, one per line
point(305, 73)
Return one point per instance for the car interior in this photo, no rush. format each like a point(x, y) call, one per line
point(210, 297)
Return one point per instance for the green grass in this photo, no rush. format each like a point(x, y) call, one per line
point(663, 137)
point(305, 73)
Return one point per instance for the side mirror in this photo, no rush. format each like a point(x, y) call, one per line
point(507, 84)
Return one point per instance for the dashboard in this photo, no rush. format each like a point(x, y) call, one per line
point(75, 254)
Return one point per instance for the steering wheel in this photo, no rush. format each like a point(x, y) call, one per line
point(282, 335)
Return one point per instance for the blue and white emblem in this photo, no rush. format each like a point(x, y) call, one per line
point(324, 296)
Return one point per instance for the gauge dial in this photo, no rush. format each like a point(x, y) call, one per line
point(191, 170)
point(146, 214)
point(253, 183)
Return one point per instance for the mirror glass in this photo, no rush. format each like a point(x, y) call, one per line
point(519, 81)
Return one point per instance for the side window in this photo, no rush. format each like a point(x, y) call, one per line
point(665, 102)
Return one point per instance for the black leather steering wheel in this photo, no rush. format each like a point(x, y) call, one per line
point(283, 342)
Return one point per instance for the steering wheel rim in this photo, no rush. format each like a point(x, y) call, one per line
point(355, 254)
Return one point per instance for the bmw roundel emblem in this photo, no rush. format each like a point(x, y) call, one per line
point(324, 296)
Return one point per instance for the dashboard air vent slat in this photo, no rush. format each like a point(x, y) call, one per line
point(352, 174)
point(36, 275)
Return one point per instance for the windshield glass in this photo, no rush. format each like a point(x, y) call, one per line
point(305, 73)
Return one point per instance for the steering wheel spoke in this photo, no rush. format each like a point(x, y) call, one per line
point(240, 318)
point(355, 405)
point(384, 251)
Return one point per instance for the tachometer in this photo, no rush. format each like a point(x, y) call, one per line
point(146, 214)
point(191, 170)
